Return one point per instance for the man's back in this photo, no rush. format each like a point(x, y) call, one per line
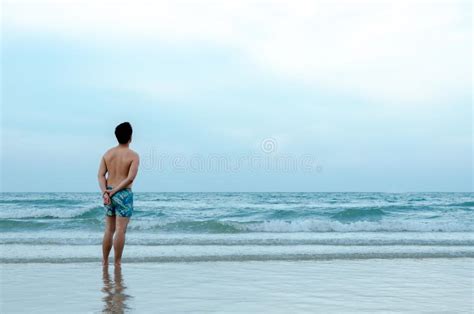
point(118, 161)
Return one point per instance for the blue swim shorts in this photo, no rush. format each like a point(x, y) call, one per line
point(121, 203)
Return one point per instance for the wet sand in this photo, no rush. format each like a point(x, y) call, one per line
point(335, 286)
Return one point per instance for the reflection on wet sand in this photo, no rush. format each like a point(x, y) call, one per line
point(115, 299)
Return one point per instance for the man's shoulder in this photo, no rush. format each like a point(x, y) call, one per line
point(133, 153)
point(109, 151)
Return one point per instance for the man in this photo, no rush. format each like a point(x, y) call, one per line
point(120, 163)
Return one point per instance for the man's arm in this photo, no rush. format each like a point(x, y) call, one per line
point(101, 175)
point(132, 173)
point(103, 181)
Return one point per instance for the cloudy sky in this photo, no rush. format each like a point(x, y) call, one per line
point(377, 94)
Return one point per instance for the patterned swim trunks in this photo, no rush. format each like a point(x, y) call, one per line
point(121, 203)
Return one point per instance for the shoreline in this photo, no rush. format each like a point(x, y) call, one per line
point(395, 285)
point(239, 258)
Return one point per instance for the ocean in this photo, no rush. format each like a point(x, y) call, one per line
point(67, 227)
point(241, 252)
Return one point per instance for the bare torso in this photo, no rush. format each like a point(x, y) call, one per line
point(118, 161)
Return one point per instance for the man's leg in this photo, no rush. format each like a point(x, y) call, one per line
point(119, 240)
point(108, 238)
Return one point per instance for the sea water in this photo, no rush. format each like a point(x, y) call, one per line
point(241, 252)
point(168, 227)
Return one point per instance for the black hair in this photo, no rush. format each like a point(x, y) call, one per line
point(123, 132)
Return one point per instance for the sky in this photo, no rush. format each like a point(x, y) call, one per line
point(239, 95)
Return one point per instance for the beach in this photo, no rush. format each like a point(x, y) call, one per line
point(244, 156)
point(334, 286)
point(241, 253)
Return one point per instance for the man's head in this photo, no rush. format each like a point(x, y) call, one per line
point(123, 132)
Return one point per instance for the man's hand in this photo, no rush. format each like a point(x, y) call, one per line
point(112, 192)
point(106, 198)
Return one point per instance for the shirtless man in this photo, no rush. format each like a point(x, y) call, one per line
point(120, 163)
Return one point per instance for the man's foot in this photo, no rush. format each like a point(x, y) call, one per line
point(118, 263)
point(105, 262)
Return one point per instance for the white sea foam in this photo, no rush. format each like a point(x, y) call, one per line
point(54, 253)
point(313, 225)
point(318, 225)
point(252, 238)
